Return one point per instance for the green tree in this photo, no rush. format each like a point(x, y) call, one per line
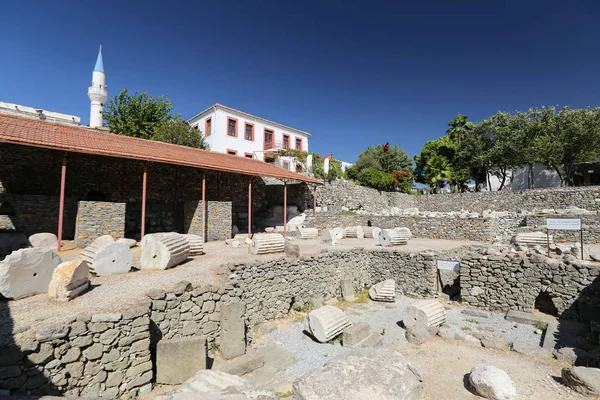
point(395, 159)
point(176, 131)
point(376, 179)
point(568, 138)
point(137, 115)
point(435, 165)
point(459, 127)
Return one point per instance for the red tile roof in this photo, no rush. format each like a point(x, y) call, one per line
point(37, 133)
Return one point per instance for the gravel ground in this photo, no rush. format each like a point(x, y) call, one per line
point(385, 318)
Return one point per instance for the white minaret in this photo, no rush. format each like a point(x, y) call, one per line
point(97, 92)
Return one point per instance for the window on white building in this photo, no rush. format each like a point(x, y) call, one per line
point(298, 144)
point(232, 127)
point(249, 132)
point(208, 127)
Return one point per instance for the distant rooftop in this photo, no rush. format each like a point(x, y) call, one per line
point(38, 113)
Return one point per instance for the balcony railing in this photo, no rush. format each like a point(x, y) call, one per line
point(273, 145)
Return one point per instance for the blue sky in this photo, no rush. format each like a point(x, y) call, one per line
point(352, 73)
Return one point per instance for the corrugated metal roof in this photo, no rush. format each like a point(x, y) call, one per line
point(44, 134)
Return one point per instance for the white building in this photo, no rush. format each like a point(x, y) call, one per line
point(59, 118)
point(241, 134)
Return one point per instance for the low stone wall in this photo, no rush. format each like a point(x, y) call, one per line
point(105, 355)
point(270, 289)
point(97, 218)
point(502, 283)
point(477, 229)
point(340, 193)
point(589, 223)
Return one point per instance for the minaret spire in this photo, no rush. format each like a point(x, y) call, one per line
point(97, 92)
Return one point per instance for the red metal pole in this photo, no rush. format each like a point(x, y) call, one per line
point(144, 200)
point(61, 203)
point(315, 201)
point(204, 206)
point(285, 209)
point(250, 208)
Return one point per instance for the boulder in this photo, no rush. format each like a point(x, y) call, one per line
point(69, 280)
point(165, 251)
point(26, 272)
point(362, 374)
point(44, 239)
point(529, 349)
point(417, 334)
point(233, 243)
point(571, 355)
point(492, 342)
point(326, 323)
point(583, 380)
point(384, 291)
point(355, 334)
point(105, 257)
point(492, 383)
point(218, 385)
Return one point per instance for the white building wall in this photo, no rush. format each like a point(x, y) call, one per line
point(543, 177)
point(220, 142)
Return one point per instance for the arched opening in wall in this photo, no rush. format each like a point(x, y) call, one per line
point(6, 208)
point(94, 195)
point(544, 304)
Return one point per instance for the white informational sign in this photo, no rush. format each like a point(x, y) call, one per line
point(448, 265)
point(571, 224)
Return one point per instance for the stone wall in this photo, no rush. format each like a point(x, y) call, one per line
point(270, 289)
point(477, 229)
point(513, 283)
point(37, 213)
point(589, 223)
point(105, 355)
point(340, 193)
point(218, 220)
point(97, 218)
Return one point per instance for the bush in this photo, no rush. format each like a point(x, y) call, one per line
point(376, 179)
point(351, 173)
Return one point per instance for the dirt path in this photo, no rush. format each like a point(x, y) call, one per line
point(447, 363)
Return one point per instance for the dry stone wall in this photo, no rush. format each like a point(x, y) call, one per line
point(589, 223)
point(103, 355)
point(341, 193)
point(514, 283)
point(97, 218)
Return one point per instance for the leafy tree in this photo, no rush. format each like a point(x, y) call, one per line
point(435, 166)
point(459, 127)
point(176, 131)
point(395, 159)
point(137, 115)
point(376, 179)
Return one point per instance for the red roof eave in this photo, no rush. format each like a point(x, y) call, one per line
point(43, 134)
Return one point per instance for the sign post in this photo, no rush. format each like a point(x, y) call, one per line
point(565, 224)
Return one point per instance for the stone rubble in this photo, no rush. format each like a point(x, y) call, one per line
point(44, 239)
point(383, 291)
